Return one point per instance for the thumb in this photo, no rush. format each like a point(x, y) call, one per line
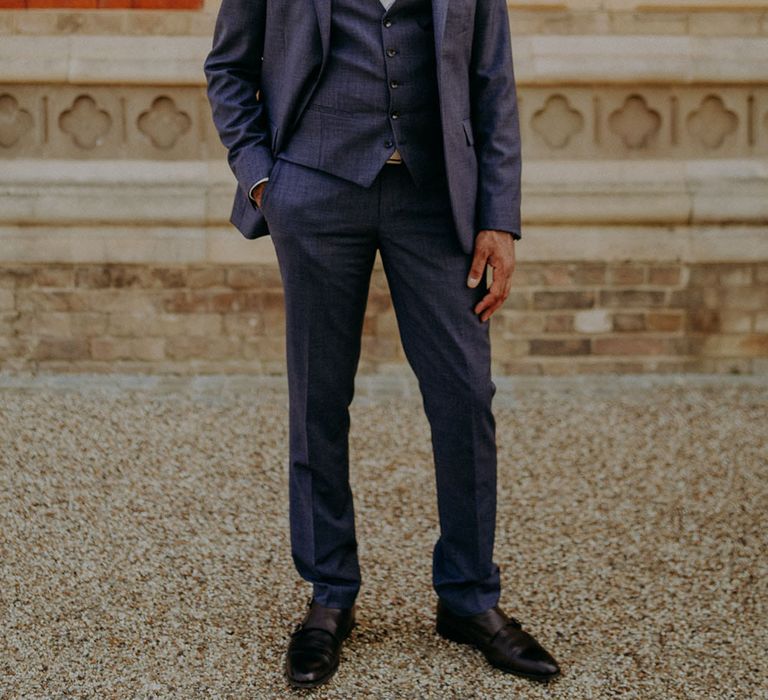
point(478, 267)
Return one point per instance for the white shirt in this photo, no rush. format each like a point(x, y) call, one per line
point(395, 157)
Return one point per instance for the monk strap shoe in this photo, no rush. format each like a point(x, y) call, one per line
point(315, 647)
point(501, 639)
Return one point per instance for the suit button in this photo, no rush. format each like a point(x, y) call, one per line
point(395, 115)
point(394, 84)
point(387, 23)
point(388, 144)
point(391, 52)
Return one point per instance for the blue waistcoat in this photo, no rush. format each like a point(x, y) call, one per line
point(378, 93)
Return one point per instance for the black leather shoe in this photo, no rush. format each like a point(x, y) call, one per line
point(315, 646)
point(502, 641)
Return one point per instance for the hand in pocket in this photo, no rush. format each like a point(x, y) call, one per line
point(258, 192)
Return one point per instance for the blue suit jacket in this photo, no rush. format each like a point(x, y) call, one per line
point(267, 57)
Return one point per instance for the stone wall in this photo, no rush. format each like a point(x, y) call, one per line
point(645, 239)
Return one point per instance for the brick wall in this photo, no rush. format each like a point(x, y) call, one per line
point(561, 318)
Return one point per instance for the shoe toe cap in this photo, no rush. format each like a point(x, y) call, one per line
point(539, 661)
point(307, 668)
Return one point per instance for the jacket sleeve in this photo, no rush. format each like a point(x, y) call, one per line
point(495, 120)
point(233, 73)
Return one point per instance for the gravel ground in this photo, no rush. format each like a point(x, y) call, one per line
point(144, 544)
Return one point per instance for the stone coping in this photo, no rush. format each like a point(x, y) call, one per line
point(223, 245)
point(539, 59)
point(151, 193)
point(576, 17)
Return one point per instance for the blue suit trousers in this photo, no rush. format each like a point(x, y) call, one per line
point(326, 231)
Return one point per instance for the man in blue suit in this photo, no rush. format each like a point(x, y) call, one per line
point(358, 126)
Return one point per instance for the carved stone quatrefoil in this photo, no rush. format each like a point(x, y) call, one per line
point(635, 122)
point(85, 122)
point(557, 122)
point(164, 123)
point(712, 122)
point(14, 121)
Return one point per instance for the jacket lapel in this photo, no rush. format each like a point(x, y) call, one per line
point(439, 13)
point(323, 11)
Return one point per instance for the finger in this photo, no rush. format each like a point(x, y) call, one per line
point(477, 268)
point(258, 194)
point(497, 293)
point(488, 303)
point(495, 307)
point(492, 310)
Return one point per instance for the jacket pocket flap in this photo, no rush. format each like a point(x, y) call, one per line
point(273, 135)
point(467, 124)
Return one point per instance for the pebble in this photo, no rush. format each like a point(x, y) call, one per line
point(144, 549)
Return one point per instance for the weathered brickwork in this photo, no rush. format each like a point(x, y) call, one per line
point(561, 318)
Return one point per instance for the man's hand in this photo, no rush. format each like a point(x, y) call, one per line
point(497, 249)
point(257, 192)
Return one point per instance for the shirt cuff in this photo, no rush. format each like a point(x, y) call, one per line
point(256, 184)
point(512, 232)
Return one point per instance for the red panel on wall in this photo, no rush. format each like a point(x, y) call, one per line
point(102, 4)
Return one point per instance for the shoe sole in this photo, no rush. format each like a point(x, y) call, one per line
point(447, 632)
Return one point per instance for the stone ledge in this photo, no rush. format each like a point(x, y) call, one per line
point(675, 5)
point(115, 192)
point(649, 191)
point(141, 60)
point(643, 59)
point(198, 193)
point(574, 17)
point(539, 59)
point(224, 245)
